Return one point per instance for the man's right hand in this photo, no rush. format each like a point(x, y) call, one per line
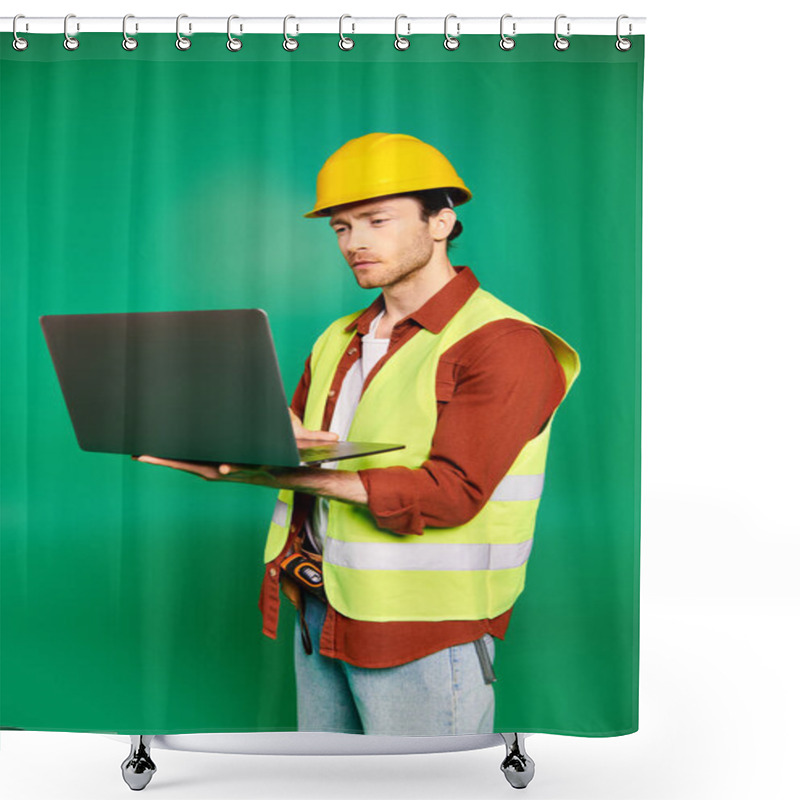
point(301, 433)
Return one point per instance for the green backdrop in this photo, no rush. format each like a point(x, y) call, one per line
point(164, 180)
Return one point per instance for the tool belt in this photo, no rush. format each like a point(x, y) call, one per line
point(301, 572)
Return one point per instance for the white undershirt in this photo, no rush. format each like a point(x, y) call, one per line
point(372, 350)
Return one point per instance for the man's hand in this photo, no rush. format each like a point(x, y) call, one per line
point(264, 476)
point(303, 434)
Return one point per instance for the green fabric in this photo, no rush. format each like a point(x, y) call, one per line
point(165, 180)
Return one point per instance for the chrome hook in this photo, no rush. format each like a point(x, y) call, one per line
point(346, 43)
point(18, 43)
point(128, 43)
point(182, 43)
point(506, 42)
point(400, 42)
point(623, 44)
point(288, 42)
point(70, 43)
point(450, 42)
point(234, 44)
point(561, 43)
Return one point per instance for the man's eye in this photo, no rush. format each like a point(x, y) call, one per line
point(380, 220)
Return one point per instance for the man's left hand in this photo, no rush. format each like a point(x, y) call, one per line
point(240, 473)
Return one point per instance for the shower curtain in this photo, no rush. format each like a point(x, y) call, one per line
point(160, 180)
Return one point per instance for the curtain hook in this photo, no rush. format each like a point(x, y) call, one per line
point(345, 42)
point(128, 43)
point(506, 42)
point(450, 42)
point(288, 42)
point(561, 43)
point(18, 44)
point(234, 44)
point(182, 43)
point(400, 42)
point(623, 44)
point(70, 43)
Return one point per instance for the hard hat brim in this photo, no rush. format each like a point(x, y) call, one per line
point(459, 195)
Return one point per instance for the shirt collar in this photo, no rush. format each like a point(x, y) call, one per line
point(432, 315)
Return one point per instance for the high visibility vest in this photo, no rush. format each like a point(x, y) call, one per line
point(470, 571)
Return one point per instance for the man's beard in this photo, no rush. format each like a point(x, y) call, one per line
point(384, 276)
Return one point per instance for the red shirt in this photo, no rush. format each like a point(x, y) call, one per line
point(495, 389)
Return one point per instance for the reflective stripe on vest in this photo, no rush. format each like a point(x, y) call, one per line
point(279, 526)
point(409, 555)
point(519, 487)
point(280, 514)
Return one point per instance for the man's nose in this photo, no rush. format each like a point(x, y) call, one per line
point(359, 238)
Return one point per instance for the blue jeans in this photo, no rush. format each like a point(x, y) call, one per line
point(442, 693)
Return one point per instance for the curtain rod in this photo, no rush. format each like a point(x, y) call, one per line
point(407, 26)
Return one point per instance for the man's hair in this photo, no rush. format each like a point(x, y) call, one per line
point(433, 201)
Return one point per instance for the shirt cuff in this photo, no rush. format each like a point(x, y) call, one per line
point(392, 500)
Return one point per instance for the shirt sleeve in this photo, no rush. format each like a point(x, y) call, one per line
point(496, 389)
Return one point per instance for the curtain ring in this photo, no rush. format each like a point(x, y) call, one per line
point(128, 43)
point(622, 44)
point(506, 42)
point(288, 42)
point(400, 42)
point(560, 43)
point(70, 43)
point(18, 44)
point(182, 43)
point(450, 42)
point(234, 44)
point(345, 43)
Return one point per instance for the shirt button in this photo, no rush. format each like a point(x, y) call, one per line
point(352, 351)
point(332, 392)
point(272, 572)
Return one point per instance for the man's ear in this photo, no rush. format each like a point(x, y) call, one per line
point(443, 223)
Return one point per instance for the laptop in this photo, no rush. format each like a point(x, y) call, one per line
point(189, 385)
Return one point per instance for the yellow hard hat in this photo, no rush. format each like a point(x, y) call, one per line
point(380, 164)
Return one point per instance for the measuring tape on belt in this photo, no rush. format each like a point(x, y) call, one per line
point(305, 573)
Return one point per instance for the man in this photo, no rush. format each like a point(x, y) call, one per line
point(423, 550)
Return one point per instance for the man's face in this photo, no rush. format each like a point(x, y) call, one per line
point(385, 241)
